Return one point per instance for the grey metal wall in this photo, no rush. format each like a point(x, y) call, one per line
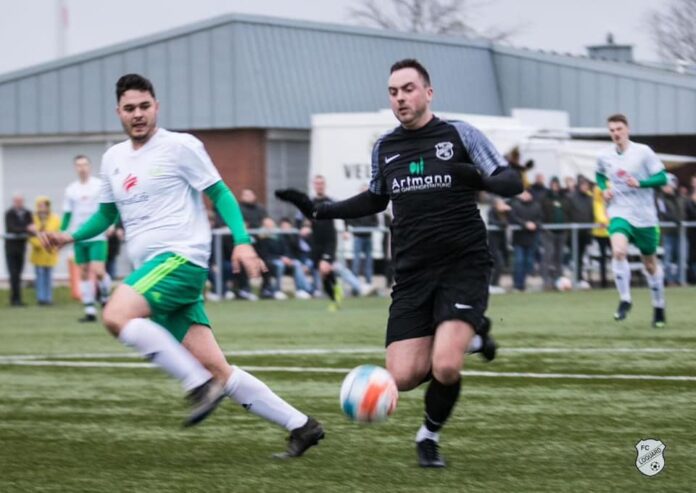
point(41, 169)
point(258, 72)
point(287, 166)
point(656, 102)
point(243, 71)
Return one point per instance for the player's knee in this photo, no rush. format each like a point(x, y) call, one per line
point(446, 372)
point(620, 254)
point(406, 379)
point(113, 319)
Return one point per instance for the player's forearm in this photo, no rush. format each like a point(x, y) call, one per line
point(67, 216)
point(602, 181)
point(228, 207)
point(363, 204)
point(656, 180)
point(98, 223)
point(505, 182)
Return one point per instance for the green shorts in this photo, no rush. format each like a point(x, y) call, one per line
point(90, 251)
point(173, 287)
point(646, 239)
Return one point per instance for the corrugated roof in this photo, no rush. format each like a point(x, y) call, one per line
point(253, 71)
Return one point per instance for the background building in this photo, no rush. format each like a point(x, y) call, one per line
point(247, 87)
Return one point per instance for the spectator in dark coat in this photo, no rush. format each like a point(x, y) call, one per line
point(252, 212)
point(272, 249)
point(669, 209)
point(690, 215)
point(497, 240)
point(581, 210)
point(556, 211)
point(527, 214)
point(18, 223)
point(538, 188)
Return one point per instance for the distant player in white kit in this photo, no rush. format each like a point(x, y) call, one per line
point(80, 202)
point(155, 180)
point(627, 173)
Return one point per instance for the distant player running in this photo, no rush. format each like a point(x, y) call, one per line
point(627, 174)
point(155, 180)
point(80, 202)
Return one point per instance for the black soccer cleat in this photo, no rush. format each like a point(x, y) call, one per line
point(429, 454)
point(622, 311)
point(488, 344)
point(303, 438)
point(204, 399)
point(659, 318)
point(87, 318)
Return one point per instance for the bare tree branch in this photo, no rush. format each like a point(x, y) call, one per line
point(674, 30)
point(450, 17)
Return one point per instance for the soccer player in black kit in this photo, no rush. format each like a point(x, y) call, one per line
point(431, 170)
point(324, 246)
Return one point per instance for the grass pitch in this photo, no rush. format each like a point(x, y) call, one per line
point(561, 409)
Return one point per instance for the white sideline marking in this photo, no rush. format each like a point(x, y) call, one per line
point(299, 369)
point(325, 351)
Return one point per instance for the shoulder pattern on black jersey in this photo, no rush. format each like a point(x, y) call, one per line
point(481, 150)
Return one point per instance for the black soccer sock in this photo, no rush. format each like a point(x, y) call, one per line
point(329, 282)
point(439, 402)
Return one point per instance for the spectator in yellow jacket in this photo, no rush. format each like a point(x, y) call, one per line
point(42, 259)
point(601, 234)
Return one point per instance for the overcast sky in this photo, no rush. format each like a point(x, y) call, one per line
point(28, 27)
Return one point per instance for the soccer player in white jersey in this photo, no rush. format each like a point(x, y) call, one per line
point(627, 173)
point(80, 202)
point(155, 181)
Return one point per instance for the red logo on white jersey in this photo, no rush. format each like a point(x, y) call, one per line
point(130, 181)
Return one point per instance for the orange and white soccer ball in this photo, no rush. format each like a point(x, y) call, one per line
point(369, 394)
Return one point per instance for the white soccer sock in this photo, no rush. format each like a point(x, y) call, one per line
point(256, 397)
point(622, 278)
point(656, 282)
point(105, 286)
point(475, 344)
point(155, 343)
point(425, 434)
point(87, 292)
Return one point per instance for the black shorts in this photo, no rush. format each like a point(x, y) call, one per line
point(422, 301)
point(326, 252)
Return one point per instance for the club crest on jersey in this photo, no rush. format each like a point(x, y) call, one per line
point(444, 150)
point(130, 181)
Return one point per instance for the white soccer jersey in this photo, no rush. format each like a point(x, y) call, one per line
point(157, 190)
point(82, 201)
point(635, 205)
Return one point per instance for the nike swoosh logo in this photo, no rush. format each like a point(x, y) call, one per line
point(461, 306)
point(389, 159)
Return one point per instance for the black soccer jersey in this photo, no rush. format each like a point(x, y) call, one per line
point(436, 219)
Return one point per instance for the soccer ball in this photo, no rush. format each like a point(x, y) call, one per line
point(368, 394)
point(564, 284)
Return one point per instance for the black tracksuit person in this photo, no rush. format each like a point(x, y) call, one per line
point(17, 224)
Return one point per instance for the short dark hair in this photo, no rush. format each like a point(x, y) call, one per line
point(618, 117)
point(414, 64)
point(133, 82)
point(82, 156)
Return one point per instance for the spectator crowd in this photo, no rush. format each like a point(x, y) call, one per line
point(539, 244)
point(531, 233)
